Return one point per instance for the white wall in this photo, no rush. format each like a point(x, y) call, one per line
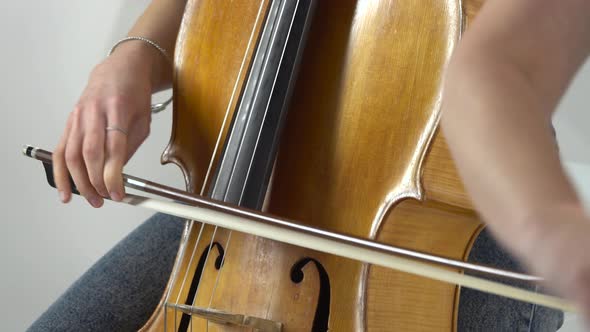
point(48, 49)
point(572, 120)
point(580, 173)
point(572, 124)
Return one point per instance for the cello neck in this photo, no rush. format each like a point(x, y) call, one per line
point(248, 156)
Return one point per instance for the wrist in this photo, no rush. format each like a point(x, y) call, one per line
point(542, 227)
point(145, 59)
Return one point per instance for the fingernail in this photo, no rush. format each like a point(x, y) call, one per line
point(95, 201)
point(116, 196)
point(63, 197)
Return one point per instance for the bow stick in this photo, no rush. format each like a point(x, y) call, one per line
point(192, 207)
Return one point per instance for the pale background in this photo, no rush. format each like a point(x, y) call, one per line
point(48, 48)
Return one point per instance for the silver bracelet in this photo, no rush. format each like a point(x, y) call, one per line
point(156, 108)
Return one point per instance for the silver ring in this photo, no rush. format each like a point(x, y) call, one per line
point(116, 128)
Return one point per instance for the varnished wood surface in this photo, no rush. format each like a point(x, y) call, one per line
point(471, 8)
point(360, 149)
point(417, 303)
point(440, 179)
point(368, 114)
point(214, 48)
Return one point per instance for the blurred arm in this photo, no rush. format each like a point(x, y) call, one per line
point(503, 84)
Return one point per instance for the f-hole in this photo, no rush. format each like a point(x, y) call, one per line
point(322, 312)
point(186, 319)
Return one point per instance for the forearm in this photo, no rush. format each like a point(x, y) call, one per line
point(502, 86)
point(499, 132)
point(160, 22)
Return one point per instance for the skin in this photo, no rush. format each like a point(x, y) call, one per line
point(118, 94)
point(502, 86)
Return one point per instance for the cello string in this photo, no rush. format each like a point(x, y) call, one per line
point(225, 122)
point(339, 245)
point(252, 34)
point(204, 265)
point(231, 100)
point(190, 263)
point(185, 238)
point(220, 267)
point(186, 274)
point(273, 38)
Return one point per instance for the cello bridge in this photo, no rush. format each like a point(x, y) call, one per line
point(221, 317)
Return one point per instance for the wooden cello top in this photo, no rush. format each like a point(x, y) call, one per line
point(359, 148)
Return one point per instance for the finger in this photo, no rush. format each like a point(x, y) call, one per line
point(113, 171)
point(139, 131)
point(60, 170)
point(93, 151)
point(77, 167)
point(116, 154)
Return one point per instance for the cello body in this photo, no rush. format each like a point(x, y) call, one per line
point(359, 154)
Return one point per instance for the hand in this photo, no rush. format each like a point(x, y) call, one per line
point(117, 95)
point(557, 247)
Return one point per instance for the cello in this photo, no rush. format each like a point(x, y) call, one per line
point(357, 153)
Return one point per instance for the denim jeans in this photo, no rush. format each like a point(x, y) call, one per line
point(121, 291)
point(480, 311)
